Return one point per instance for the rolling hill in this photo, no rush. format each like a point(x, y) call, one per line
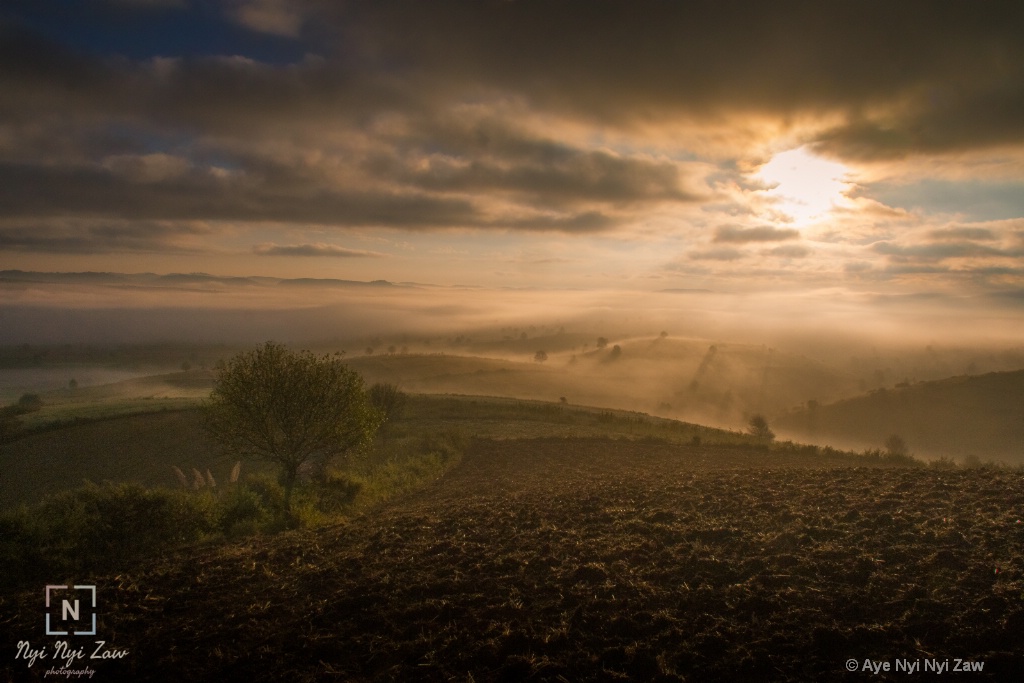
point(980, 416)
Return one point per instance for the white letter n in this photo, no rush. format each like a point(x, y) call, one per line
point(68, 610)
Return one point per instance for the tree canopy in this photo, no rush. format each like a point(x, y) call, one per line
point(289, 409)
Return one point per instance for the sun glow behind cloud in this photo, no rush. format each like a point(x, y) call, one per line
point(803, 187)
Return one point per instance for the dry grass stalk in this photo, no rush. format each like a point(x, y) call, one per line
point(181, 476)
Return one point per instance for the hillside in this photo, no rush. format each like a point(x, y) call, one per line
point(105, 444)
point(967, 415)
point(592, 559)
point(692, 380)
point(134, 448)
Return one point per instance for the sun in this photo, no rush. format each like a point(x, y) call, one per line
point(802, 186)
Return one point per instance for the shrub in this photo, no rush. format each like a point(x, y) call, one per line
point(758, 428)
point(896, 446)
point(103, 528)
point(29, 403)
point(243, 512)
point(971, 462)
point(942, 463)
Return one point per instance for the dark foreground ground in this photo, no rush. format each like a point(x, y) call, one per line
point(592, 560)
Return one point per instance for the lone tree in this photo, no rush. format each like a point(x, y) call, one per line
point(758, 428)
point(289, 409)
point(540, 356)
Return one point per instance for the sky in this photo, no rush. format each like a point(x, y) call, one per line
point(867, 150)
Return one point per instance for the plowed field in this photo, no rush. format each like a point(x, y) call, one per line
point(579, 559)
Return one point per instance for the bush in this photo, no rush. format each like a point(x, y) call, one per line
point(20, 554)
point(244, 512)
point(29, 403)
point(759, 429)
point(103, 528)
point(896, 446)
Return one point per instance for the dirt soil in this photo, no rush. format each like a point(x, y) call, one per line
point(593, 559)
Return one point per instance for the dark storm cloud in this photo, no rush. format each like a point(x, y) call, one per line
point(959, 67)
point(736, 234)
point(909, 75)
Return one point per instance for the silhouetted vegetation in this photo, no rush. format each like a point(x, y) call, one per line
point(758, 428)
point(9, 422)
point(895, 446)
point(390, 402)
point(290, 409)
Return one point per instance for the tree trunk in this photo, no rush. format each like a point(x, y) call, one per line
point(290, 474)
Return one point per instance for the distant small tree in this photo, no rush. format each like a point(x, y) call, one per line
point(602, 342)
point(73, 384)
point(758, 428)
point(390, 402)
point(540, 356)
point(289, 409)
point(895, 446)
point(29, 403)
point(615, 352)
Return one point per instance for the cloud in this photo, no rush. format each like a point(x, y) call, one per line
point(936, 251)
point(98, 236)
point(317, 249)
point(718, 254)
point(637, 120)
point(279, 17)
point(790, 251)
point(736, 234)
point(961, 233)
point(558, 176)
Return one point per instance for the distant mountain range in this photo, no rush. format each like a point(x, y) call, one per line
point(968, 415)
